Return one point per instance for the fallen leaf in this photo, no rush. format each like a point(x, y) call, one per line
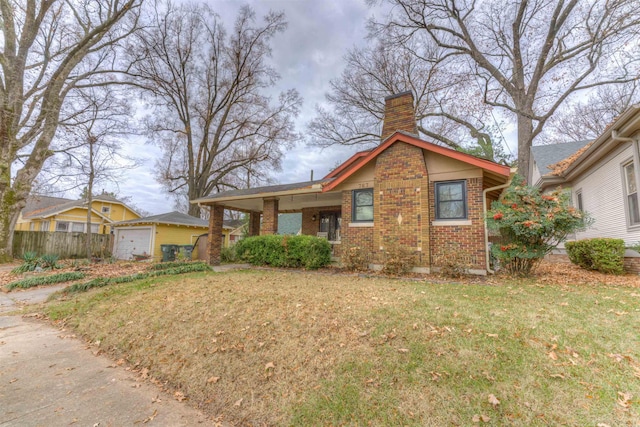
point(268, 366)
point(238, 402)
point(156, 399)
point(150, 417)
point(493, 400)
point(213, 380)
point(485, 418)
point(602, 425)
point(403, 350)
point(557, 376)
point(552, 355)
point(13, 380)
point(179, 396)
point(492, 335)
point(476, 418)
point(625, 399)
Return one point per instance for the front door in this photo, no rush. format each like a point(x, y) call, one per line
point(330, 223)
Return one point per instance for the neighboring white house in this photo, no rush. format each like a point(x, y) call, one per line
point(604, 179)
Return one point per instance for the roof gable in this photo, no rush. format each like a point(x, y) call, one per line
point(171, 218)
point(346, 172)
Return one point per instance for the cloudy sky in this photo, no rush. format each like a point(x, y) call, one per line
point(307, 55)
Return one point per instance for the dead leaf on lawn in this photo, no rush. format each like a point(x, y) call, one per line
point(564, 304)
point(13, 380)
point(552, 355)
point(477, 418)
point(561, 376)
point(179, 396)
point(238, 402)
point(403, 350)
point(602, 425)
point(213, 380)
point(493, 400)
point(269, 365)
point(625, 399)
point(492, 335)
point(156, 399)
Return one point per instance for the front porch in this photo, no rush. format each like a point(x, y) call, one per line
point(321, 212)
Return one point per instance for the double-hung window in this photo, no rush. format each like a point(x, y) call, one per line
point(451, 200)
point(362, 210)
point(633, 210)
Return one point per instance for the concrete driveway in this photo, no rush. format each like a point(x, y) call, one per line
point(50, 378)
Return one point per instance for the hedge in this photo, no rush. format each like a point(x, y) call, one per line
point(285, 251)
point(46, 280)
point(600, 254)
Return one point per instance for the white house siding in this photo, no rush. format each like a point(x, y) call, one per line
point(603, 197)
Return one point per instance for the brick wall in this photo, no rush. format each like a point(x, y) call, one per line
point(464, 241)
point(354, 236)
point(399, 114)
point(401, 202)
point(270, 216)
point(216, 218)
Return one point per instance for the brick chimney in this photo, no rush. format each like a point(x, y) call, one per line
point(399, 114)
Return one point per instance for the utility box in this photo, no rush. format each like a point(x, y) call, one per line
point(169, 252)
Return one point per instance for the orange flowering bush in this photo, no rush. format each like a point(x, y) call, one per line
point(530, 225)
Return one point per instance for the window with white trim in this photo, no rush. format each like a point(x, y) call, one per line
point(362, 209)
point(77, 227)
point(62, 226)
point(579, 203)
point(44, 225)
point(94, 228)
point(633, 210)
point(451, 200)
point(106, 209)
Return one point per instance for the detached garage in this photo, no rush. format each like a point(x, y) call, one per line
point(142, 238)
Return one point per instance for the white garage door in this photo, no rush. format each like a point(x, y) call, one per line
point(130, 241)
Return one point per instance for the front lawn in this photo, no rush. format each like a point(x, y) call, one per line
point(276, 348)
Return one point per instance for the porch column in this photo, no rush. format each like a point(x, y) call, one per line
point(254, 224)
point(215, 234)
point(270, 216)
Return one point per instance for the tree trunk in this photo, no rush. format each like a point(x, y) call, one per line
point(525, 136)
point(194, 210)
point(90, 196)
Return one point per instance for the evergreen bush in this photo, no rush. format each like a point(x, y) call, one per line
point(530, 225)
point(285, 251)
point(600, 254)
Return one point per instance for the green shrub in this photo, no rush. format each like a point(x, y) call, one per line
point(285, 251)
point(228, 254)
point(398, 259)
point(355, 259)
point(49, 262)
point(530, 225)
point(176, 268)
point(46, 280)
point(29, 263)
point(601, 254)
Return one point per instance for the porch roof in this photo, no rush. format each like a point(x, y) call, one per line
point(292, 197)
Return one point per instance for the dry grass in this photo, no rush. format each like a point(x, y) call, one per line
point(278, 348)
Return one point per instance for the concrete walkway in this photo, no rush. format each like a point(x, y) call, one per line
point(50, 378)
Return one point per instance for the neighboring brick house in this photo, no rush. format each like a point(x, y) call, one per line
point(406, 191)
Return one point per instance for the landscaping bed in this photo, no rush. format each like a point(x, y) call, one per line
point(269, 347)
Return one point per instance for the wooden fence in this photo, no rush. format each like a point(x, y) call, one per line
point(65, 245)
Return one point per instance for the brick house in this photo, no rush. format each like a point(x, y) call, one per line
point(406, 191)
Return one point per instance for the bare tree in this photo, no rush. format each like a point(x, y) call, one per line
point(449, 107)
point(49, 48)
point(530, 54)
point(587, 118)
point(206, 93)
point(88, 146)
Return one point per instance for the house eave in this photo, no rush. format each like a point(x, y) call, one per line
point(317, 188)
point(625, 126)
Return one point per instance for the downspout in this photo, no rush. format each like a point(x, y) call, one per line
point(486, 228)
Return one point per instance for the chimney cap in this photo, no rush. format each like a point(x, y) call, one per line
point(399, 94)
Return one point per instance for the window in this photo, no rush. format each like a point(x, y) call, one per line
point(362, 205)
point(94, 228)
point(32, 226)
point(579, 204)
point(633, 211)
point(451, 200)
point(106, 209)
point(44, 225)
point(62, 226)
point(77, 227)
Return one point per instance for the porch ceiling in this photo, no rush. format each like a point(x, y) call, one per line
point(286, 202)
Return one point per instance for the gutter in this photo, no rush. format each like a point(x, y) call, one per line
point(486, 228)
